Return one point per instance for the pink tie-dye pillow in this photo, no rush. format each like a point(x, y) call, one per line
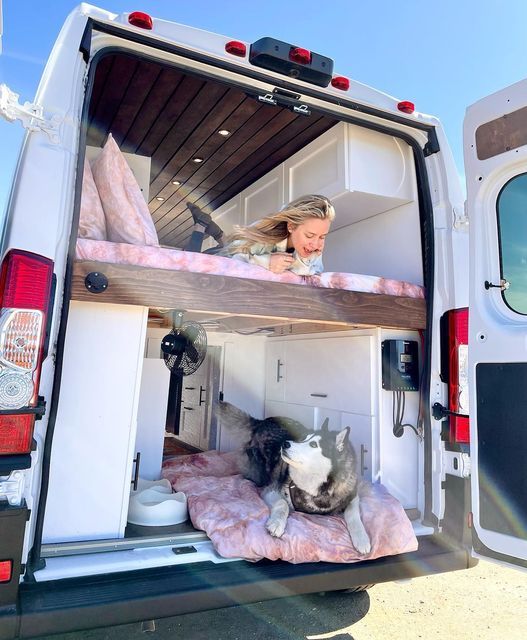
point(127, 216)
point(91, 222)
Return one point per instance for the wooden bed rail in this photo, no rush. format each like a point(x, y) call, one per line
point(198, 292)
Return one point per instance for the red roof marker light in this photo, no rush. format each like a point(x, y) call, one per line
point(6, 570)
point(299, 55)
point(141, 20)
point(340, 82)
point(406, 106)
point(236, 48)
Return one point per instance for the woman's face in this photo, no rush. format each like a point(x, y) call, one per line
point(308, 238)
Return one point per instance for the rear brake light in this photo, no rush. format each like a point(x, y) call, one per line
point(141, 20)
point(406, 106)
point(458, 375)
point(6, 570)
point(340, 82)
point(302, 56)
point(236, 48)
point(25, 286)
point(16, 432)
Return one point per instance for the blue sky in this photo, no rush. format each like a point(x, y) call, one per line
point(442, 56)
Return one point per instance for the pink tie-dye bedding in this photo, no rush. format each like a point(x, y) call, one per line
point(178, 260)
point(232, 513)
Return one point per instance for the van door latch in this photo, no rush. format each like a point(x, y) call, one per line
point(30, 114)
point(503, 285)
point(268, 98)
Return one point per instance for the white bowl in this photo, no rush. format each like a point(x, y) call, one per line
point(162, 485)
point(153, 508)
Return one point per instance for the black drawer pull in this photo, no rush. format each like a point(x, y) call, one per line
point(189, 408)
point(190, 388)
point(319, 395)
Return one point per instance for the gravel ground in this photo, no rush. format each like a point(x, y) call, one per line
point(487, 602)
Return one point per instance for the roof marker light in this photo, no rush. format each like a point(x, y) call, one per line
point(340, 82)
point(236, 48)
point(141, 20)
point(299, 55)
point(406, 106)
point(6, 570)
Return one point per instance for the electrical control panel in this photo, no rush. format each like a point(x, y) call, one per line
point(400, 365)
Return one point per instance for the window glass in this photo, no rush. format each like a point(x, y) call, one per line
point(512, 220)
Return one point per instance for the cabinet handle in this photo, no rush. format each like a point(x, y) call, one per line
point(319, 395)
point(137, 461)
point(189, 408)
point(279, 364)
point(190, 388)
point(363, 452)
point(201, 390)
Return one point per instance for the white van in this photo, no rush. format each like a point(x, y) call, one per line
point(89, 409)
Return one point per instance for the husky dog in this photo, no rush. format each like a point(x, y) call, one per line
point(313, 472)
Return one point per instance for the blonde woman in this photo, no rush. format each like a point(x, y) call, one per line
point(290, 240)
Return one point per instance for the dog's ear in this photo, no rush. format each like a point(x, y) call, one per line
point(325, 425)
point(342, 439)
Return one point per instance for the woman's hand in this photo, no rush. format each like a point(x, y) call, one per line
point(280, 262)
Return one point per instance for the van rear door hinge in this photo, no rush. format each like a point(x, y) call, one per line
point(30, 114)
point(281, 98)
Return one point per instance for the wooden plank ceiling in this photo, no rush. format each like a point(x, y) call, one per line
point(173, 117)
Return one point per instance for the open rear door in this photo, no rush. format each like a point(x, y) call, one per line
point(495, 139)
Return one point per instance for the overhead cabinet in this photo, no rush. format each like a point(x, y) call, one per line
point(337, 165)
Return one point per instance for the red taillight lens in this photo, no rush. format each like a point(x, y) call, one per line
point(141, 20)
point(25, 287)
point(340, 82)
point(458, 374)
point(236, 48)
point(16, 431)
point(299, 55)
point(6, 570)
point(406, 106)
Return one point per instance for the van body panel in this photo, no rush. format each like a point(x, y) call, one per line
point(495, 141)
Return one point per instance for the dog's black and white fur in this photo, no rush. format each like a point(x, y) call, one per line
point(313, 472)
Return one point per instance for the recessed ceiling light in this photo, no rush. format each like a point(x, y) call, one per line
point(160, 198)
point(224, 132)
point(197, 160)
point(176, 182)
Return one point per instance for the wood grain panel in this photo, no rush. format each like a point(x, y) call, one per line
point(212, 293)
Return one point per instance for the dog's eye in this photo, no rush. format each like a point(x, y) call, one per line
point(313, 444)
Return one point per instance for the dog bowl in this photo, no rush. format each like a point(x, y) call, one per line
point(163, 485)
point(155, 508)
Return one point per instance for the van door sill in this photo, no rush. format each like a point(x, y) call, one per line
point(54, 550)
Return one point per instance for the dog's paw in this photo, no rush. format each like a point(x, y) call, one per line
point(361, 541)
point(275, 526)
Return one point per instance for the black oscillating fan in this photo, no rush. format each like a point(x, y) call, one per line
point(184, 349)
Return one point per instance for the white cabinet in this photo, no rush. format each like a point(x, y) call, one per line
point(300, 412)
point(363, 172)
point(229, 214)
point(93, 443)
point(333, 373)
point(361, 436)
point(265, 196)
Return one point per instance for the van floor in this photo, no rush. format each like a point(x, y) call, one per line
point(174, 447)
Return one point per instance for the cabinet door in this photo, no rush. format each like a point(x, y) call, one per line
point(332, 373)
point(229, 214)
point(300, 412)
point(190, 425)
point(361, 436)
point(265, 196)
point(320, 167)
point(275, 370)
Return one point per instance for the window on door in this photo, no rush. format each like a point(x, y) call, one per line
point(512, 225)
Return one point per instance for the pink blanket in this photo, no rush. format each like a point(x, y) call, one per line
point(232, 513)
point(178, 260)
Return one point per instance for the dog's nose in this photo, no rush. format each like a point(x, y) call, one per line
point(286, 445)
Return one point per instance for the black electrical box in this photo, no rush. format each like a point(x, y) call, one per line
point(400, 366)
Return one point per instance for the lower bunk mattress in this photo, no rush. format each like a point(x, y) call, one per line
point(232, 513)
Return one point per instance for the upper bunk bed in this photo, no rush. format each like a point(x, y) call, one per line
point(162, 120)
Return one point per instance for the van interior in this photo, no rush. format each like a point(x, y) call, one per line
point(189, 138)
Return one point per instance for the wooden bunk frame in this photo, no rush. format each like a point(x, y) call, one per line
point(248, 303)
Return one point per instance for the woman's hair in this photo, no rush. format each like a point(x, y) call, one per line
point(272, 229)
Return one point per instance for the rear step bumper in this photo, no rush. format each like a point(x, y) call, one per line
point(102, 601)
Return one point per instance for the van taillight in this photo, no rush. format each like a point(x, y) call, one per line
point(6, 570)
point(458, 375)
point(25, 287)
